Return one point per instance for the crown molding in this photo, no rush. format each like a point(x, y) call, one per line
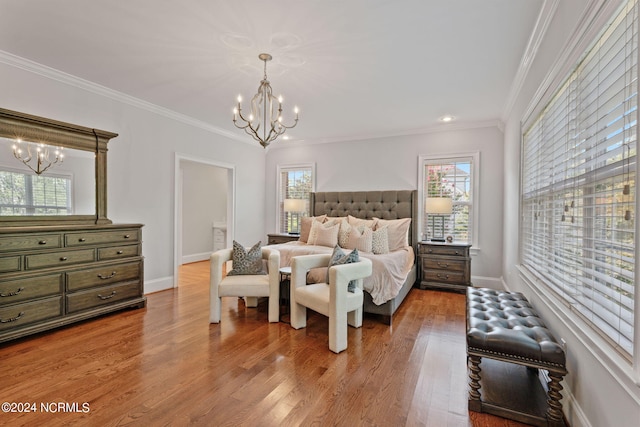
point(547, 12)
point(438, 128)
point(71, 80)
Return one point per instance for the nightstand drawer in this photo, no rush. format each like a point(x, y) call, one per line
point(444, 250)
point(442, 263)
point(101, 296)
point(15, 316)
point(59, 258)
point(12, 291)
point(99, 276)
point(443, 276)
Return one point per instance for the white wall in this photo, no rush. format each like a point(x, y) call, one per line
point(392, 164)
point(599, 389)
point(141, 159)
point(204, 200)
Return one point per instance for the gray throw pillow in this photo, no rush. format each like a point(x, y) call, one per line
point(338, 257)
point(244, 262)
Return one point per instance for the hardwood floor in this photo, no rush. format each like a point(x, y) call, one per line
point(166, 365)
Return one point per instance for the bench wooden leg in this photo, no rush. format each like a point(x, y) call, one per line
point(554, 413)
point(474, 384)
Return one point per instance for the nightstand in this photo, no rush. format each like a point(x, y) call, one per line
point(444, 266)
point(277, 238)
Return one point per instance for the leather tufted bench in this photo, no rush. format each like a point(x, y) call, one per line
point(504, 327)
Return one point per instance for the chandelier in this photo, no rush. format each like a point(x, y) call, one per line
point(37, 156)
point(264, 123)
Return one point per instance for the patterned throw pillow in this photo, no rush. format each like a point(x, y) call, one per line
point(247, 262)
point(380, 240)
point(338, 257)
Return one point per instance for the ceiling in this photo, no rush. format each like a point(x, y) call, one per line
point(356, 69)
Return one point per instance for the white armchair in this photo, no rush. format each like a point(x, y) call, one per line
point(248, 286)
point(332, 300)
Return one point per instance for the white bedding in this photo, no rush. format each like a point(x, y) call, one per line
point(389, 270)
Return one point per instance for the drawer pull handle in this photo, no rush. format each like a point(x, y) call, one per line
point(42, 242)
point(444, 265)
point(63, 258)
point(108, 296)
point(113, 273)
point(430, 251)
point(82, 239)
point(441, 276)
point(120, 252)
point(126, 236)
point(12, 319)
point(12, 294)
point(457, 253)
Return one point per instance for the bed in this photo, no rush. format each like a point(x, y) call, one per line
point(385, 205)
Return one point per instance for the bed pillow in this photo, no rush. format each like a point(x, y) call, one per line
point(380, 240)
point(338, 257)
point(247, 262)
point(398, 232)
point(324, 234)
point(305, 226)
point(353, 221)
point(360, 238)
point(343, 233)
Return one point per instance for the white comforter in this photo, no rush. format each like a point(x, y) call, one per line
point(389, 270)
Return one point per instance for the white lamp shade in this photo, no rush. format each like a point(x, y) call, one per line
point(438, 205)
point(295, 205)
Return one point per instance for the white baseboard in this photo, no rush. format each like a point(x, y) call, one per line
point(157, 285)
point(204, 256)
point(488, 282)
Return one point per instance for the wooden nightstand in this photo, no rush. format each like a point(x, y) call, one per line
point(277, 238)
point(444, 266)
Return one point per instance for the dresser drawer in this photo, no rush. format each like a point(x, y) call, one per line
point(30, 242)
point(443, 276)
point(116, 252)
point(100, 276)
point(10, 263)
point(79, 301)
point(12, 291)
point(59, 258)
point(99, 237)
point(17, 315)
point(445, 263)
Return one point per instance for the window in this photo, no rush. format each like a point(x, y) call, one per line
point(578, 186)
point(452, 178)
point(27, 194)
point(294, 182)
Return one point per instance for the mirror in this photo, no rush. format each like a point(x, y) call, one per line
point(67, 185)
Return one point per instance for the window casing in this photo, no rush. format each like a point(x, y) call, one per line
point(454, 177)
point(294, 182)
point(28, 194)
point(578, 164)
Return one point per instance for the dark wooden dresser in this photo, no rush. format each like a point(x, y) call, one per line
point(444, 266)
point(55, 275)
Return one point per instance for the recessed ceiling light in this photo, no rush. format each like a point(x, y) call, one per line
point(446, 119)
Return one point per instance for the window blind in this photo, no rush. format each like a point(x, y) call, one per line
point(295, 183)
point(450, 178)
point(578, 185)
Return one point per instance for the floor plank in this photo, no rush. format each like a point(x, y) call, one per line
point(166, 365)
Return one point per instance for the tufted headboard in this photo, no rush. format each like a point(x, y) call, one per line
point(369, 204)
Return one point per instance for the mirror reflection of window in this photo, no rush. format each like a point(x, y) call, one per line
point(67, 188)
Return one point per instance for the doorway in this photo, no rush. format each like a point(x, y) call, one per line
point(204, 193)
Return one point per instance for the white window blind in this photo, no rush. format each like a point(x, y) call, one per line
point(578, 185)
point(26, 194)
point(295, 182)
point(451, 178)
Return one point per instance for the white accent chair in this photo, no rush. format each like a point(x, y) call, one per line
point(248, 286)
point(332, 300)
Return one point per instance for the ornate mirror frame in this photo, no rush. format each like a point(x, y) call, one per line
point(33, 128)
